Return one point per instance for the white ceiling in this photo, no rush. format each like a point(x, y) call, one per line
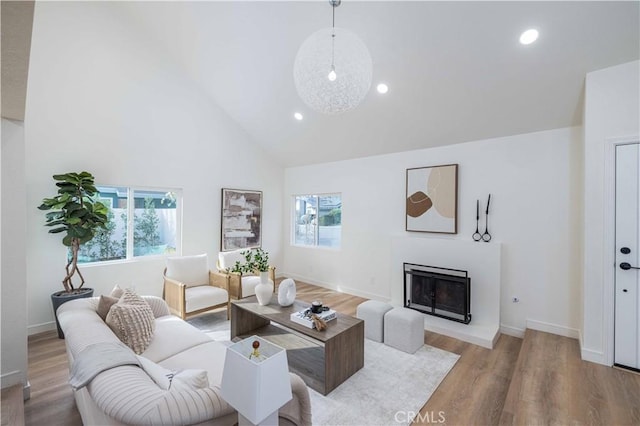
point(455, 70)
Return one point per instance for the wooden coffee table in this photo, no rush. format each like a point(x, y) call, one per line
point(323, 359)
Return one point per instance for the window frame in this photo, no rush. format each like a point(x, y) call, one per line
point(294, 222)
point(129, 251)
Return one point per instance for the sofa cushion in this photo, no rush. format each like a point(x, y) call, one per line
point(190, 270)
point(170, 379)
point(104, 305)
point(132, 321)
point(172, 336)
point(117, 291)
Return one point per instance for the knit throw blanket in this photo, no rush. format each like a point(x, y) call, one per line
point(96, 358)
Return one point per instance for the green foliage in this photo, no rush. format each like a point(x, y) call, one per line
point(145, 230)
point(76, 214)
point(103, 246)
point(334, 217)
point(255, 260)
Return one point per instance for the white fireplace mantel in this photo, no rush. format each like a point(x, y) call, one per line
point(480, 259)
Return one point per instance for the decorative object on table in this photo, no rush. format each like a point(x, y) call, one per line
point(318, 323)
point(286, 292)
point(486, 236)
point(476, 235)
point(241, 219)
point(332, 70)
point(305, 317)
point(242, 273)
point(256, 387)
point(432, 199)
point(257, 260)
point(255, 355)
point(77, 214)
point(316, 307)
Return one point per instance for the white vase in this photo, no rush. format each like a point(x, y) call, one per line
point(264, 290)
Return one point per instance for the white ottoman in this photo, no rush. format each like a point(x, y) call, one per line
point(372, 313)
point(404, 329)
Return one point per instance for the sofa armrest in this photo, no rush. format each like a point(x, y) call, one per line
point(298, 410)
point(130, 396)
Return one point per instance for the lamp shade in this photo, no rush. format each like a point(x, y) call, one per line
point(256, 387)
point(332, 70)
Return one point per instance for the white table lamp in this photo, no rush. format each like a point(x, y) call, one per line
point(256, 386)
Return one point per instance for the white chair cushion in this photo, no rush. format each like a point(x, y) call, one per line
point(249, 284)
point(204, 296)
point(227, 259)
point(190, 270)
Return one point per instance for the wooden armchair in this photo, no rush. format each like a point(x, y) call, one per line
point(190, 288)
point(240, 284)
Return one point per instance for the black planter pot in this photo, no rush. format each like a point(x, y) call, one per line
point(61, 297)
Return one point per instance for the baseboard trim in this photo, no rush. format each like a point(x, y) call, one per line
point(512, 331)
point(11, 378)
point(338, 288)
point(41, 328)
point(553, 329)
point(593, 356)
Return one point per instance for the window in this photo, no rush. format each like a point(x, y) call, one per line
point(152, 231)
point(317, 220)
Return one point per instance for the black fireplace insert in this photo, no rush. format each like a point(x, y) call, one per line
point(438, 291)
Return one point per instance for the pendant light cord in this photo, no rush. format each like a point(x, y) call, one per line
point(333, 34)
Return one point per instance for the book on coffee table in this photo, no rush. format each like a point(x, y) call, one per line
point(304, 317)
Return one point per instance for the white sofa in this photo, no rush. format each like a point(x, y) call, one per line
point(127, 394)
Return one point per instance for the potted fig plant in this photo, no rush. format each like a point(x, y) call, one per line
point(76, 214)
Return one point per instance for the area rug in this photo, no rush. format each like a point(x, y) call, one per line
point(390, 389)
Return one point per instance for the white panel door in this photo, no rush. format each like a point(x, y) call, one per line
point(627, 276)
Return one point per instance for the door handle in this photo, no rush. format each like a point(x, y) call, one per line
point(626, 266)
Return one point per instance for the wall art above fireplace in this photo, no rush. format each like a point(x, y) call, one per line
point(432, 199)
point(438, 291)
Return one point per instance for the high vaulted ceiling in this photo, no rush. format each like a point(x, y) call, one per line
point(456, 71)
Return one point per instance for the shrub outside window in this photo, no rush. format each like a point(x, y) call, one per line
point(154, 229)
point(318, 220)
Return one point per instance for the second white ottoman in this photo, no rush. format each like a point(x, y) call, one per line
point(404, 329)
point(372, 312)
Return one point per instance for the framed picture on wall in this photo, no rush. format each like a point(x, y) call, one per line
point(241, 219)
point(432, 199)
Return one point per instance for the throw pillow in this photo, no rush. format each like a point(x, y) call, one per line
point(166, 379)
point(117, 292)
point(132, 321)
point(190, 379)
point(104, 305)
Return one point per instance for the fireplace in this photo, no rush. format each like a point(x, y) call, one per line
point(438, 291)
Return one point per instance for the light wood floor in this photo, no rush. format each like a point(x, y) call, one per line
point(540, 380)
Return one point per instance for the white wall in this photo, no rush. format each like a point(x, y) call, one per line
point(612, 110)
point(12, 279)
point(535, 214)
point(102, 98)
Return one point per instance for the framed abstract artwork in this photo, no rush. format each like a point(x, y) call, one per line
point(241, 219)
point(432, 199)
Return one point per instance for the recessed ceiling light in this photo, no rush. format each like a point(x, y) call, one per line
point(298, 116)
point(529, 36)
point(382, 88)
